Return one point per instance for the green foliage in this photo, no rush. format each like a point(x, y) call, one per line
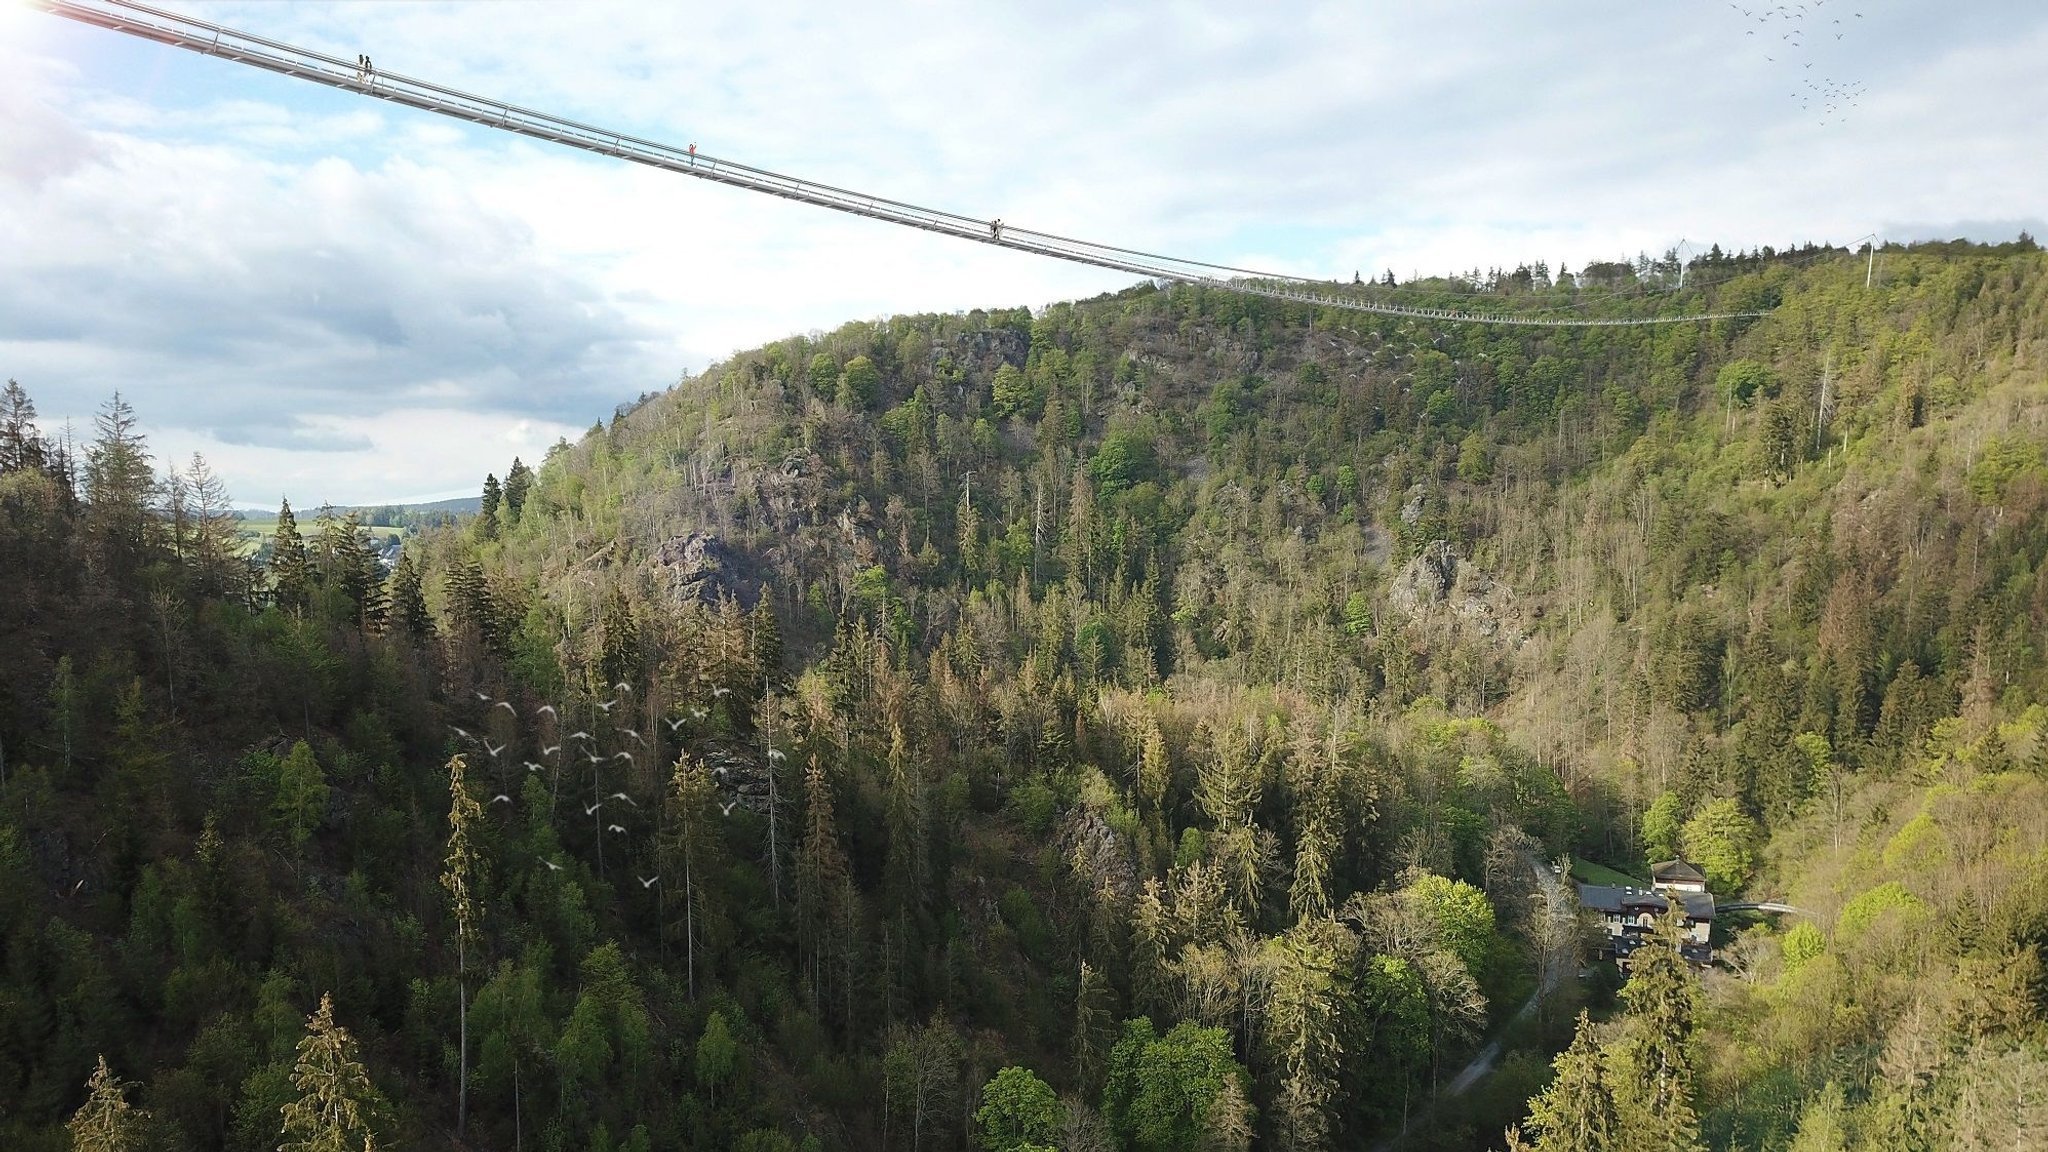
point(1158, 1091)
point(1018, 1112)
point(1013, 393)
point(1888, 902)
point(717, 1054)
point(1460, 915)
point(1802, 943)
point(860, 384)
point(300, 802)
point(1721, 838)
point(1662, 827)
point(1744, 380)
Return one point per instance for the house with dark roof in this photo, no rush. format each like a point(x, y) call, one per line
point(1628, 915)
point(1677, 876)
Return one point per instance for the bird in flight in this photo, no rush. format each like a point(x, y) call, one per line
point(726, 808)
point(493, 751)
point(615, 828)
point(579, 735)
point(633, 734)
point(552, 866)
point(531, 766)
point(550, 710)
point(648, 881)
point(592, 810)
point(673, 725)
point(506, 705)
point(501, 798)
point(551, 749)
point(607, 706)
point(622, 796)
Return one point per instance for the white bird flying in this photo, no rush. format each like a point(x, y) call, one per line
point(726, 808)
point(552, 866)
point(501, 798)
point(622, 796)
point(648, 881)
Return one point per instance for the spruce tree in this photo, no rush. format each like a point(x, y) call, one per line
point(336, 1099)
point(518, 482)
point(409, 600)
point(119, 487)
point(1576, 1112)
point(291, 578)
point(459, 877)
point(691, 847)
point(105, 1122)
point(1652, 1067)
point(21, 445)
point(487, 515)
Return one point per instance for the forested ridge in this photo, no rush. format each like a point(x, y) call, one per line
point(1141, 723)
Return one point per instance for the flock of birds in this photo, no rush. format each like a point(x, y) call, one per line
point(1797, 26)
point(581, 746)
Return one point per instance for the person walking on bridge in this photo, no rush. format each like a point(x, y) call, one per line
point(995, 229)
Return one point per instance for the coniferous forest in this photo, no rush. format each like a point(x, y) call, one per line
point(1170, 720)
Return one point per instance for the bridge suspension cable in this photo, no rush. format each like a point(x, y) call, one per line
point(165, 27)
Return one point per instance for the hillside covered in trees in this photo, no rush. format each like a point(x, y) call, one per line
point(1142, 723)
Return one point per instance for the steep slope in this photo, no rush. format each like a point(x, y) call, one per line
point(1165, 693)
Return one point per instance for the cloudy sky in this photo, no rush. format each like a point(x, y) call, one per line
point(343, 300)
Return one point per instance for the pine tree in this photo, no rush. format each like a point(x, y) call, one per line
point(119, 486)
point(459, 877)
point(487, 514)
point(409, 600)
point(1576, 1112)
point(216, 569)
point(821, 874)
point(1652, 1079)
point(336, 1099)
point(291, 577)
point(691, 846)
point(765, 635)
point(518, 482)
point(1094, 1026)
point(105, 1122)
point(21, 445)
point(618, 657)
point(1150, 949)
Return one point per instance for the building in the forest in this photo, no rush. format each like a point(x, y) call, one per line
point(1628, 915)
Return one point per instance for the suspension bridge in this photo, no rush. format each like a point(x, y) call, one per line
point(165, 27)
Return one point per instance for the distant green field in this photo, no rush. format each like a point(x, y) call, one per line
point(1587, 872)
point(253, 533)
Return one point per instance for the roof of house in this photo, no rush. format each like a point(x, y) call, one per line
point(1668, 871)
point(1630, 901)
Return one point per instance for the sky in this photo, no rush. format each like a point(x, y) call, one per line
point(340, 300)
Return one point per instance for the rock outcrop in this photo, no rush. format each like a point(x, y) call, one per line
point(701, 568)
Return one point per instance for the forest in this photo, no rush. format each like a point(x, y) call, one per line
point(1161, 721)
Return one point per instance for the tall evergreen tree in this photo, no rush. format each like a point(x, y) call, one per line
point(21, 444)
point(1652, 1063)
point(691, 847)
point(518, 482)
point(1575, 1113)
point(291, 575)
point(336, 1099)
point(106, 1122)
point(487, 513)
point(408, 599)
point(119, 489)
point(459, 877)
